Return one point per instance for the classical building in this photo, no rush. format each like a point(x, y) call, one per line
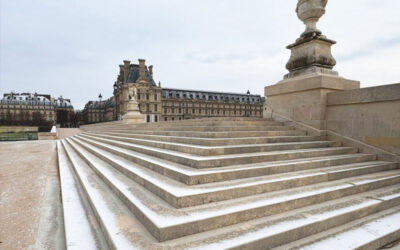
point(179, 104)
point(99, 111)
point(24, 106)
point(176, 104)
point(140, 78)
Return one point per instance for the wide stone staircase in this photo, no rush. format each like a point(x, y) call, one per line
point(233, 183)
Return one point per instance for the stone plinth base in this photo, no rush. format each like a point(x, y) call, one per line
point(311, 70)
point(304, 98)
point(133, 117)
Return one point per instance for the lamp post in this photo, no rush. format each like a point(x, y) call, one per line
point(248, 103)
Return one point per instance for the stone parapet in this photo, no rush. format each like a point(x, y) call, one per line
point(385, 93)
point(370, 115)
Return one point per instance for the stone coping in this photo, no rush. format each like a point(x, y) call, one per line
point(15, 129)
point(383, 93)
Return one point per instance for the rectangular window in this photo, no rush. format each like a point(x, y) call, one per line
point(156, 118)
point(155, 97)
point(165, 110)
point(147, 107)
point(165, 119)
point(155, 108)
point(148, 118)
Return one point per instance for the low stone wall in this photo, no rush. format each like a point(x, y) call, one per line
point(370, 115)
point(47, 136)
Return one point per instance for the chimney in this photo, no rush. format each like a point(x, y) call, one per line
point(121, 73)
point(151, 70)
point(127, 65)
point(142, 70)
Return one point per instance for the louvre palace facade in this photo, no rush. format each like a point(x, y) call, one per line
point(166, 104)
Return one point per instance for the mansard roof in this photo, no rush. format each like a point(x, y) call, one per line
point(26, 99)
point(169, 93)
point(134, 74)
point(63, 103)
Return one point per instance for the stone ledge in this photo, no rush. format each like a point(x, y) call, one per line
point(309, 82)
point(15, 129)
point(365, 95)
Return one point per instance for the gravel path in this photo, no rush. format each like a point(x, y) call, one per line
point(30, 201)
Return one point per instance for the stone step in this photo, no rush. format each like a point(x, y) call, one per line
point(371, 232)
point(201, 122)
point(206, 128)
point(206, 121)
point(221, 160)
point(220, 150)
point(165, 222)
point(275, 231)
point(216, 141)
point(237, 118)
point(234, 134)
point(114, 218)
point(180, 195)
point(191, 176)
point(80, 233)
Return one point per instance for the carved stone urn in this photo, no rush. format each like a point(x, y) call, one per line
point(311, 53)
point(310, 11)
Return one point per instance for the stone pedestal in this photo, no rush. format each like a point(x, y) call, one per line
point(311, 54)
point(304, 98)
point(302, 95)
point(133, 115)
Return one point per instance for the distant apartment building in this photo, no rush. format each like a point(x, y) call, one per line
point(28, 106)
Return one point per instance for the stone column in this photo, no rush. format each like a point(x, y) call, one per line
point(301, 95)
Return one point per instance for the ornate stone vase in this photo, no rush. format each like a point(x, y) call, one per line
point(309, 12)
point(311, 53)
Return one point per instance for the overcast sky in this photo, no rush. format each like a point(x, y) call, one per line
point(73, 47)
